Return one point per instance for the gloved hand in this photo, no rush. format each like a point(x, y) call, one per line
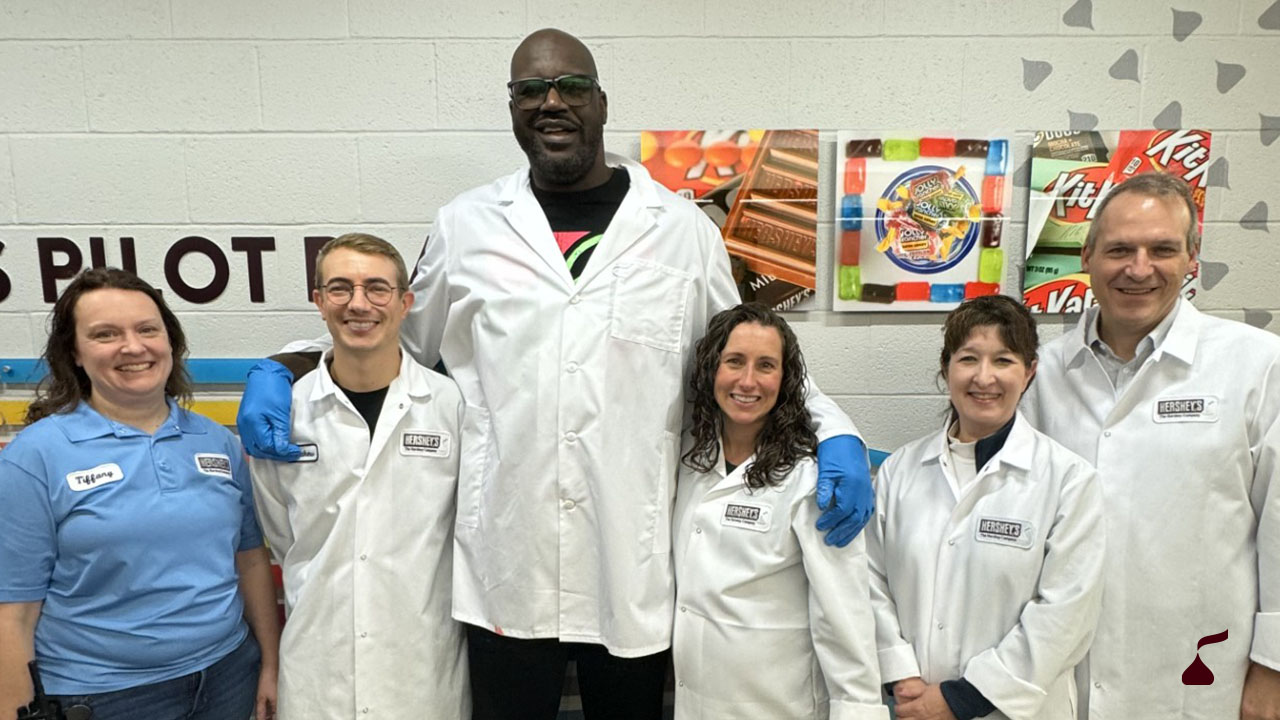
point(844, 488)
point(263, 418)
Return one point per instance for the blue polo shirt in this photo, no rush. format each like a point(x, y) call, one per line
point(129, 539)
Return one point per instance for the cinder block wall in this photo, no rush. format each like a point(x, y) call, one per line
point(163, 119)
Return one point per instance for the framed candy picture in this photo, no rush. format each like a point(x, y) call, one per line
point(1071, 172)
point(761, 188)
point(919, 221)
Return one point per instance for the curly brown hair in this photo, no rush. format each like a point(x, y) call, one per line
point(67, 384)
point(787, 435)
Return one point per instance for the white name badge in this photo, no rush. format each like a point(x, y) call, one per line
point(310, 453)
point(104, 474)
point(1186, 408)
point(213, 464)
point(1003, 531)
point(426, 443)
point(747, 516)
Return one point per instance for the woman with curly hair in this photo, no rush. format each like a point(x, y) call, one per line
point(771, 622)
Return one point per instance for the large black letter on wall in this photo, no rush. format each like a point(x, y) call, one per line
point(253, 247)
point(5, 286)
point(51, 272)
point(206, 247)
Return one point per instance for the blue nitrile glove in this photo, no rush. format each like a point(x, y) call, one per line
point(263, 419)
point(844, 488)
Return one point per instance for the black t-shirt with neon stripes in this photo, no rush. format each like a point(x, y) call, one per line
point(578, 219)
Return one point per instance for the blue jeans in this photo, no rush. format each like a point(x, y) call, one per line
point(226, 690)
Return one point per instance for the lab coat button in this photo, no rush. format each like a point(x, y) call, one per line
point(939, 626)
point(952, 541)
point(575, 299)
point(698, 530)
point(365, 711)
point(571, 437)
point(364, 557)
point(1107, 434)
point(571, 367)
point(569, 505)
point(684, 609)
point(1098, 685)
point(364, 634)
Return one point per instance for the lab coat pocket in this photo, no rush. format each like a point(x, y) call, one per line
point(664, 498)
point(474, 462)
point(648, 304)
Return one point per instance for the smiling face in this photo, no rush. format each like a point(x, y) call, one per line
point(122, 345)
point(565, 145)
point(359, 325)
point(749, 376)
point(985, 380)
point(1137, 264)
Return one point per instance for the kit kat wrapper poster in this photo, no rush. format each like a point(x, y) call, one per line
point(761, 189)
point(1071, 172)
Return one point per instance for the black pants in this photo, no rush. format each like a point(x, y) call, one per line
point(521, 679)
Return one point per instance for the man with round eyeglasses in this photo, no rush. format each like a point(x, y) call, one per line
point(566, 300)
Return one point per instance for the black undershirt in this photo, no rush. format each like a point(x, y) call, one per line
point(579, 218)
point(368, 404)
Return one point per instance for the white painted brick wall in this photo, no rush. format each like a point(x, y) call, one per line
point(158, 119)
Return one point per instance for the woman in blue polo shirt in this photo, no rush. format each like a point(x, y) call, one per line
point(131, 566)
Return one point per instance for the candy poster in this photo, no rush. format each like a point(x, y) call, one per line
point(761, 188)
point(1071, 172)
point(919, 221)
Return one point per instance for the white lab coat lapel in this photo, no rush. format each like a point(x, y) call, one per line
point(636, 216)
point(527, 219)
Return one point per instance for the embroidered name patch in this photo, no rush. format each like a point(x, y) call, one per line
point(1002, 531)
point(310, 453)
point(426, 443)
point(1198, 408)
point(81, 480)
point(748, 517)
point(213, 464)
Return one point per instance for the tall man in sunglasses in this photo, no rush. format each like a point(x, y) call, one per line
point(565, 300)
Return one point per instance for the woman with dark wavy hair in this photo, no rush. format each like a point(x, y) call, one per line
point(131, 565)
point(771, 621)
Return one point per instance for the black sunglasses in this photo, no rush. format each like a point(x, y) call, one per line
point(530, 93)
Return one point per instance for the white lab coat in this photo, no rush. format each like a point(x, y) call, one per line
point(771, 622)
point(1190, 512)
point(575, 397)
point(364, 536)
point(1009, 604)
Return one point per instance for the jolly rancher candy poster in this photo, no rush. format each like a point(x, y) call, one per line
point(1071, 172)
point(761, 188)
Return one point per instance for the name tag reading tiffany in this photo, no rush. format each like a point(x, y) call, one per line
point(1192, 408)
point(1003, 531)
point(213, 464)
point(747, 516)
point(426, 443)
point(81, 480)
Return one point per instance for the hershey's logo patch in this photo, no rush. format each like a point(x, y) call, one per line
point(81, 480)
point(1194, 408)
point(213, 464)
point(426, 443)
point(1003, 531)
point(747, 516)
point(310, 453)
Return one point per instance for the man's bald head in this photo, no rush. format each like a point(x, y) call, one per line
point(550, 46)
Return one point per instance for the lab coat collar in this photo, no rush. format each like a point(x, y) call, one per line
point(1015, 453)
point(407, 381)
point(630, 223)
point(736, 480)
point(1180, 343)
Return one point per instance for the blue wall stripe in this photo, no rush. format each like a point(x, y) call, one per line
point(204, 371)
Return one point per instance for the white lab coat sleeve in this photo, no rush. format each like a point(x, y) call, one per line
point(423, 330)
point(1055, 628)
point(896, 657)
point(1264, 446)
point(840, 619)
point(273, 509)
point(828, 419)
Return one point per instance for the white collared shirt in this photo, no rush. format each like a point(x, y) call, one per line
point(771, 622)
point(998, 581)
point(1188, 454)
point(364, 536)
